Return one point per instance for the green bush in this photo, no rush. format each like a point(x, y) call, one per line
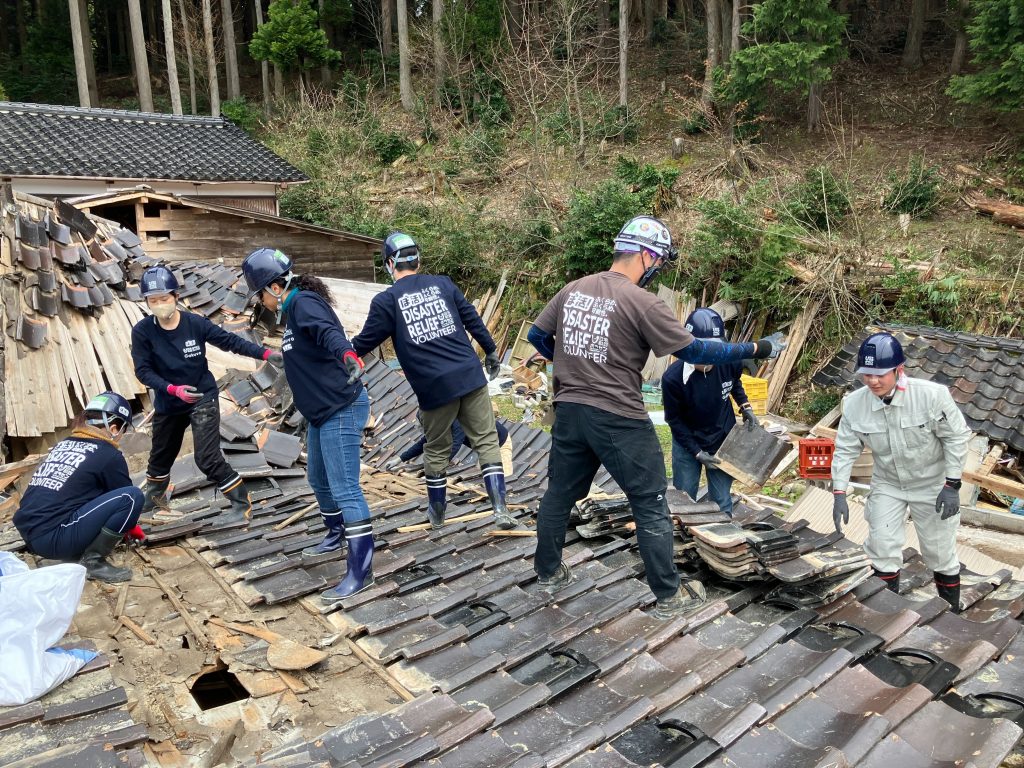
point(915, 191)
point(243, 114)
point(600, 121)
point(820, 201)
point(736, 252)
point(388, 146)
point(821, 402)
point(996, 36)
point(593, 220)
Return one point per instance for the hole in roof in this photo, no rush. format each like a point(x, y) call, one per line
point(217, 688)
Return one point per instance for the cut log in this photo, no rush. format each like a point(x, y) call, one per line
point(1001, 211)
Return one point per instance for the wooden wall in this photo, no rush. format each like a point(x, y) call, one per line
point(195, 234)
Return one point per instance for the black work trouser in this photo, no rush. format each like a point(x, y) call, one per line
point(168, 432)
point(584, 438)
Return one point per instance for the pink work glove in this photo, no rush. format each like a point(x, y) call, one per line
point(190, 395)
point(136, 534)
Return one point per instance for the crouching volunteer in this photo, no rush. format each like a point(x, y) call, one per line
point(918, 439)
point(427, 317)
point(599, 331)
point(323, 372)
point(81, 502)
point(169, 352)
point(459, 439)
point(699, 412)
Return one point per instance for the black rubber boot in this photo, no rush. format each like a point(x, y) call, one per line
point(891, 579)
point(437, 499)
point(155, 492)
point(948, 588)
point(335, 538)
point(494, 482)
point(241, 507)
point(95, 558)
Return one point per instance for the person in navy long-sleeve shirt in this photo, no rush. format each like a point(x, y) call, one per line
point(699, 413)
point(169, 352)
point(427, 317)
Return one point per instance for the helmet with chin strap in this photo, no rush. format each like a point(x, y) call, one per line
point(262, 267)
point(705, 323)
point(108, 409)
point(646, 233)
point(400, 248)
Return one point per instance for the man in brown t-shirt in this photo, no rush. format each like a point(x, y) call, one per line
point(599, 331)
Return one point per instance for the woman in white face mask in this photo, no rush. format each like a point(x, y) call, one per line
point(169, 352)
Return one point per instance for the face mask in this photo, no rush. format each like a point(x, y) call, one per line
point(164, 311)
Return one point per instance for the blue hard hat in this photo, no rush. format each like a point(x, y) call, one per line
point(705, 323)
point(879, 353)
point(159, 281)
point(400, 248)
point(262, 267)
point(107, 407)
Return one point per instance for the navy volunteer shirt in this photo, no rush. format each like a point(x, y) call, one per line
point(178, 357)
point(698, 410)
point(75, 471)
point(427, 317)
point(313, 345)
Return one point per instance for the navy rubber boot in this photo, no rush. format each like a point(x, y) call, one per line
point(437, 499)
point(334, 538)
point(494, 482)
point(359, 573)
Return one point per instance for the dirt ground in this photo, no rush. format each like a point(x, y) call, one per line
point(1005, 547)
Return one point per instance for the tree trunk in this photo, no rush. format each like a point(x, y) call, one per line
point(513, 15)
point(624, 54)
point(90, 63)
point(172, 59)
point(404, 65)
point(386, 20)
point(211, 59)
point(187, 34)
point(264, 65)
point(19, 16)
point(960, 9)
point(648, 10)
point(78, 45)
point(139, 50)
point(915, 35)
point(814, 107)
point(227, 21)
point(325, 70)
point(663, 9)
point(737, 23)
point(604, 9)
point(725, 8)
point(440, 65)
point(278, 83)
point(714, 17)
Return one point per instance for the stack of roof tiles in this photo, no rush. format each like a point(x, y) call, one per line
point(983, 374)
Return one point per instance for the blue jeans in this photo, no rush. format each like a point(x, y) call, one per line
point(332, 461)
point(686, 477)
point(116, 510)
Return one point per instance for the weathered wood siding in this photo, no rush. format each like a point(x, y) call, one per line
point(194, 234)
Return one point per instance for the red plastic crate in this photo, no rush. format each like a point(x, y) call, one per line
point(816, 457)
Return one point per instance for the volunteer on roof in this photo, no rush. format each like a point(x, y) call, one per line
point(599, 331)
point(918, 440)
point(699, 413)
point(323, 372)
point(427, 317)
point(81, 502)
point(169, 351)
point(459, 439)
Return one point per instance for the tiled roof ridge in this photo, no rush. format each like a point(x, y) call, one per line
point(969, 339)
point(98, 113)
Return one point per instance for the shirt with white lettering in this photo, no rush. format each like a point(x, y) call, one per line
point(605, 327)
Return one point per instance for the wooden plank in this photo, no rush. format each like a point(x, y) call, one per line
point(995, 483)
point(787, 360)
point(200, 634)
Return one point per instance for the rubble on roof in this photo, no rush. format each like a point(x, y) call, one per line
point(983, 374)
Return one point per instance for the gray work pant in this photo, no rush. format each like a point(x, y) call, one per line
point(477, 418)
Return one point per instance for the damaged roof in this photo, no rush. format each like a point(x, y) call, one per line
point(58, 141)
point(985, 374)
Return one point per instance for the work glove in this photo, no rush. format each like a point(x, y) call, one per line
point(707, 459)
point(770, 346)
point(274, 358)
point(354, 365)
point(189, 394)
point(493, 365)
point(948, 502)
point(840, 510)
point(135, 534)
point(747, 412)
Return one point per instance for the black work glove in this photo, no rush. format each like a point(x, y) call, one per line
point(840, 510)
point(770, 346)
point(353, 365)
point(747, 412)
point(707, 459)
point(492, 364)
point(948, 502)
